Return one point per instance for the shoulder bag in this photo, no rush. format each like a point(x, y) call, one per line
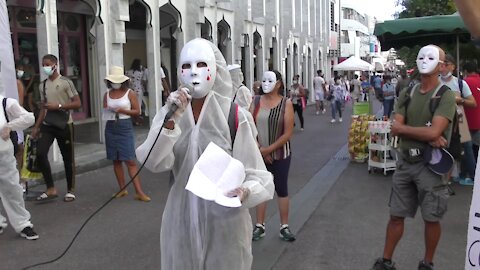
point(57, 118)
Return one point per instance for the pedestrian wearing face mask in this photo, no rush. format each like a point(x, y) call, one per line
point(388, 92)
point(120, 104)
point(274, 117)
point(414, 184)
point(463, 98)
point(337, 91)
point(297, 95)
point(58, 96)
point(21, 95)
point(241, 94)
point(196, 233)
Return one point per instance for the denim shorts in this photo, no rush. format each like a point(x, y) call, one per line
point(413, 186)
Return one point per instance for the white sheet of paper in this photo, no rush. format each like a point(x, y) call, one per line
point(215, 174)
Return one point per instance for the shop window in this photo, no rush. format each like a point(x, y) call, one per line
point(71, 23)
point(26, 18)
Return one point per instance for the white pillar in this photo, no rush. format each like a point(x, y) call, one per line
point(7, 67)
point(47, 31)
point(102, 42)
point(47, 43)
point(155, 87)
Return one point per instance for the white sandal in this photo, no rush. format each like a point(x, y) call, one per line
point(69, 197)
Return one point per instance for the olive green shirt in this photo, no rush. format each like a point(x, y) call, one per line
point(61, 90)
point(419, 115)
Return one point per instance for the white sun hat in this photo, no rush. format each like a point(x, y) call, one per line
point(116, 75)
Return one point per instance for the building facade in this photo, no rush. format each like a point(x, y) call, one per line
point(356, 32)
point(89, 36)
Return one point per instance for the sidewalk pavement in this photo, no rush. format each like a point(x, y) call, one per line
point(90, 154)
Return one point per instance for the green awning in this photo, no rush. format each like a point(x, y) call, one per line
point(420, 31)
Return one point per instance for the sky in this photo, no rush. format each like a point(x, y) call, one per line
point(381, 9)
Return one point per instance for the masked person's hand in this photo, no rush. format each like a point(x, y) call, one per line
point(181, 98)
point(440, 142)
point(5, 134)
point(240, 192)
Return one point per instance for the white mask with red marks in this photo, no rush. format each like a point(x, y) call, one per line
point(198, 67)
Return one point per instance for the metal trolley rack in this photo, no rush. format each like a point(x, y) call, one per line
point(379, 147)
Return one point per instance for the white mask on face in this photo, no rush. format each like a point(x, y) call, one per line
point(427, 59)
point(116, 85)
point(268, 82)
point(295, 81)
point(198, 67)
point(48, 70)
point(446, 76)
point(20, 74)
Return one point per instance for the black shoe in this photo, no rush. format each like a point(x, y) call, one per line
point(258, 232)
point(382, 265)
point(29, 234)
point(286, 234)
point(423, 265)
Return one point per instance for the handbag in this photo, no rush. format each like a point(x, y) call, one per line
point(30, 155)
point(58, 118)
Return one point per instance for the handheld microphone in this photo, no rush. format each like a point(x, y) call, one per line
point(174, 107)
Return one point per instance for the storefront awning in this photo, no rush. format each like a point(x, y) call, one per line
point(420, 31)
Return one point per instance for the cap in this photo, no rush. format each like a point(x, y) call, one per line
point(439, 160)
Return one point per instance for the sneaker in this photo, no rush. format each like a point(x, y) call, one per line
point(1, 230)
point(340, 120)
point(381, 265)
point(302, 129)
point(258, 232)
point(324, 111)
point(332, 121)
point(423, 265)
point(286, 234)
point(29, 234)
point(317, 112)
point(467, 182)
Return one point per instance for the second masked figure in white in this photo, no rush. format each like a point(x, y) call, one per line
point(196, 233)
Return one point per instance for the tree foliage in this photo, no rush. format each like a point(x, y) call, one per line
point(420, 8)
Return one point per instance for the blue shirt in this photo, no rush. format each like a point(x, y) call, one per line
point(390, 89)
point(377, 82)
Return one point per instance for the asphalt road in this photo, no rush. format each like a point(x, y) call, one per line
point(338, 211)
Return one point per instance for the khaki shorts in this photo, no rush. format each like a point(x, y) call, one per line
point(413, 186)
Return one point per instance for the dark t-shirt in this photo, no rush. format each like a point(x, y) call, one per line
point(419, 114)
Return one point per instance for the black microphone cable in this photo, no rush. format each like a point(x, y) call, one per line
point(100, 208)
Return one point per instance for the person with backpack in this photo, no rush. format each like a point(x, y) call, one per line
point(274, 116)
point(241, 94)
point(13, 117)
point(464, 98)
point(414, 184)
point(197, 233)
